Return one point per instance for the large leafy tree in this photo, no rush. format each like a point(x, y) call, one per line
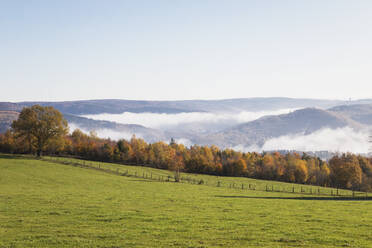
point(346, 171)
point(40, 126)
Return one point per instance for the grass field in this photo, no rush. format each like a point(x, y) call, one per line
point(207, 180)
point(49, 204)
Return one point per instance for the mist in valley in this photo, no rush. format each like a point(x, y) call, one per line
point(105, 133)
point(186, 128)
point(338, 140)
point(183, 122)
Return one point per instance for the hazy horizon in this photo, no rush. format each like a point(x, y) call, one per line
point(191, 99)
point(178, 50)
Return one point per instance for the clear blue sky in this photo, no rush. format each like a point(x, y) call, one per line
point(201, 49)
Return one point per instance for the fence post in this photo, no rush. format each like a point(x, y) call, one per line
point(293, 189)
point(266, 187)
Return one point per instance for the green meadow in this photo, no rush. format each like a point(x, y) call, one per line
point(56, 203)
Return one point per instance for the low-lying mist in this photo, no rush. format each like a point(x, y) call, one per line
point(105, 133)
point(187, 127)
point(194, 120)
point(333, 140)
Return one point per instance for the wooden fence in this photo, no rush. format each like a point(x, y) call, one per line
point(186, 178)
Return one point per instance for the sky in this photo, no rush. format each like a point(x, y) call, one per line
point(189, 49)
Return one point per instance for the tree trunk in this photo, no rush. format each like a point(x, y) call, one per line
point(29, 144)
point(39, 147)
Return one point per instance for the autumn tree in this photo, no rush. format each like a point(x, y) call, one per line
point(139, 147)
point(296, 170)
point(268, 167)
point(322, 176)
point(7, 142)
point(40, 126)
point(126, 151)
point(345, 171)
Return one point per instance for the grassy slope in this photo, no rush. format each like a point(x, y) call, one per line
point(44, 204)
point(227, 182)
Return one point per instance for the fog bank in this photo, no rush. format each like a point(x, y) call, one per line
point(106, 133)
point(333, 140)
point(161, 121)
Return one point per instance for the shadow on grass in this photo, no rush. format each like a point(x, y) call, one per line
point(146, 180)
point(15, 156)
point(330, 198)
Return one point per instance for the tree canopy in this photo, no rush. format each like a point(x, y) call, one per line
point(40, 126)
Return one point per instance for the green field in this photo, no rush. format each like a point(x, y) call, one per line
point(50, 204)
point(207, 180)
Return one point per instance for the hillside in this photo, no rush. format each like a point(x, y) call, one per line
point(10, 106)
point(6, 119)
point(104, 128)
point(112, 129)
point(303, 121)
point(115, 106)
point(359, 112)
point(47, 204)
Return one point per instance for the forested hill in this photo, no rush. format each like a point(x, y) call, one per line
point(303, 121)
point(359, 112)
point(113, 129)
point(6, 119)
point(227, 105)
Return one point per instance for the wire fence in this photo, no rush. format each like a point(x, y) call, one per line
point(213, 181)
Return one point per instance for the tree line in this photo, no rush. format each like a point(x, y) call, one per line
point(348, 171)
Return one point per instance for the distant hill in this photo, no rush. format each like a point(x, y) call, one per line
point(6, 119)
point(87, 124)
point(304, 121)
point(152, 135)
point(358, 112)
point(9, 106)
point(226, 105)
